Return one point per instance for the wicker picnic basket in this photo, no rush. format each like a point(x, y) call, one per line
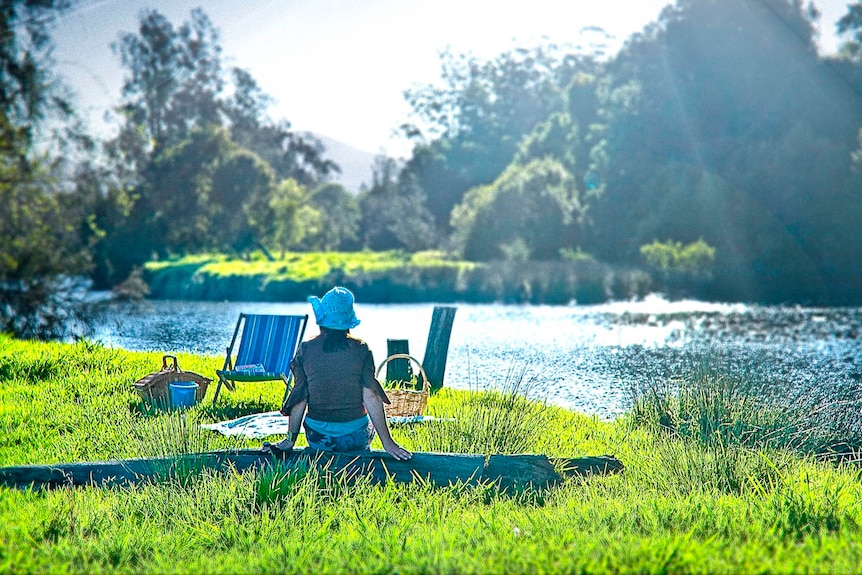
point(155, 387)
point(406, 402)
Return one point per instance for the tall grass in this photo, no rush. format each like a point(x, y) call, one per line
point(500, 420)
point(717, 406)
point(674, 509)
point(736, 428)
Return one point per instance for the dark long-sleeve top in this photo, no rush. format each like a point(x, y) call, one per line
point(332, 382)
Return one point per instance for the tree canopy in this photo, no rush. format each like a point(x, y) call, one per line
point(201, 160)
point(718, 149)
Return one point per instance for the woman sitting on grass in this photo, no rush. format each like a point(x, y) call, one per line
point(336, 396)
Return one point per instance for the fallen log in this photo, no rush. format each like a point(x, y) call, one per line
point(508, 472)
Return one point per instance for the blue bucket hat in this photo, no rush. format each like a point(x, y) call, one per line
point(335, 309)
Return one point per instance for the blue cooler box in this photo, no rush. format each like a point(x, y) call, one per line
point(183, 394)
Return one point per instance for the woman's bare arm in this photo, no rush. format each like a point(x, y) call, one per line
point(374, 406)
point(297, 414)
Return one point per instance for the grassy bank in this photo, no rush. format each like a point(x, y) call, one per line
point(389, 277)
point(694, 498)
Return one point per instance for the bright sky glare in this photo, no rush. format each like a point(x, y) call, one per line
point(340, 67)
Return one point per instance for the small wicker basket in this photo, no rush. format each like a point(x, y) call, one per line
point(155, 387)
point(406, 402)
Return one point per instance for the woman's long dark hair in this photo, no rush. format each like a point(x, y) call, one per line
point(334, 339)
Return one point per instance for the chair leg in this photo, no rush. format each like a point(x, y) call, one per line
point(218, 388)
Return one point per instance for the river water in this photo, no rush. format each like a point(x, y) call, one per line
point(583, 357)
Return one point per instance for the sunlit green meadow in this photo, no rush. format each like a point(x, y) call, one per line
point(389, 276)
point(305, 266)
point(710, 501)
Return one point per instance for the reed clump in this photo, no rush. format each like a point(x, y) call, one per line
point(720, 406)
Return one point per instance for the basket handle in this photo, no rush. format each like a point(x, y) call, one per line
point(173, 367)
point(425, 384)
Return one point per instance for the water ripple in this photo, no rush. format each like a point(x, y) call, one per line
point(584, 357)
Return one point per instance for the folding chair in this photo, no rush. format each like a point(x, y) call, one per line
point(266, 348)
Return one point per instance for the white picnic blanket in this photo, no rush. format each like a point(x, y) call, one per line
point(256, 425)
point(260, 425)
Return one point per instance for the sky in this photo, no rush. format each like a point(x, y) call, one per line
point(339, 68)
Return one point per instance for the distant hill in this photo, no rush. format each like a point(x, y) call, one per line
point(355, 164)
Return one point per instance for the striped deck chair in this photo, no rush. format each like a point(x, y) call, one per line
point(267, 345)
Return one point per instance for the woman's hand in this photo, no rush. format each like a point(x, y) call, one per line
point(276, 448)
point(396, 450)
point(285, 444)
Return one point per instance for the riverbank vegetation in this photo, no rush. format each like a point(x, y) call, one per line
point(717, 150)
point(391, 277)
point(713, 482)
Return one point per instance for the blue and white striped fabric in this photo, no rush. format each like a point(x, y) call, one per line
point(270, 341)
point(266, 348)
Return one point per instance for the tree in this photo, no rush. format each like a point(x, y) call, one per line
point(529, 211)
point(115, 249)
point(576, 136)
point(174, 79)
point(238, 203)
point(291, 155)
point(339, 219)
point(42, 261)
point(443, 183)
point(851, 25)
point(293, 217)
point(41, 256)
point(672, 257)
point(469, 130)
point(173, 211)
point(171, 88)
point(757, 256)
point(198, 100)
point(246, 108)
point(199, 161)
point(731, 106)
point(393, 211)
